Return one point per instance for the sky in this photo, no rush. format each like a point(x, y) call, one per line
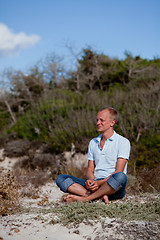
point(32, 29)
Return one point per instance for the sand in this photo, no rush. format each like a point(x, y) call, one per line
point(32, 226)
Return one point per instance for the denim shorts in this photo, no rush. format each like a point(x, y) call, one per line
point(117, 181)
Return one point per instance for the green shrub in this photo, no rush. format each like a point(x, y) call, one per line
point(5, 119)
point(148, 152)
point(60, 121)
point(64, 117)
point(78, 212)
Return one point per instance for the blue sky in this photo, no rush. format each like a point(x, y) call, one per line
point(31, 29)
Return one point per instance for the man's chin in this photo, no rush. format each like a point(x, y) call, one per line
point(99, 130)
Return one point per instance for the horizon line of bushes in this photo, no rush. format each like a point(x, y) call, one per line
point(51, 105)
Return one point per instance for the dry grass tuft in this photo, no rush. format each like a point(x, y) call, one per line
point(35, 177)
point(150, 180)
point(133, 185)
point(31, 181)
point(79, 172)
point(9, 193)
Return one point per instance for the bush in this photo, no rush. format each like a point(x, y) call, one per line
point(17, 148)
point(28, 178)
point(64, 117)
point(146, 153)
point(5, 119)
point(150, 179)
point(60, 121)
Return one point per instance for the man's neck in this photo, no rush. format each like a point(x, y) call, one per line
point(107, 135)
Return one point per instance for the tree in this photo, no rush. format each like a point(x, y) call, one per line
point(74, 76)
point(5, 99)
point(53, 70)
point(90, 70)
point(20, 91)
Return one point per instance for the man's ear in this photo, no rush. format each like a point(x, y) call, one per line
point(112, 123)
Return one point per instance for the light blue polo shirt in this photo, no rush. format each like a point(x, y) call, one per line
point(105, 159)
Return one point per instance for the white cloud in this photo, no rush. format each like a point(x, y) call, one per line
point(12, 43)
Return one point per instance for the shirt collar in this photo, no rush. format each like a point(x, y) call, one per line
point(98, 139)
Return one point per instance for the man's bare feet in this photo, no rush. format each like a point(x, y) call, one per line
point(63, 198)
point(105, 198)
point(74, 198)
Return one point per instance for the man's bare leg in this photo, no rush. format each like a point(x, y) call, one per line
point(105, 189)
point(78, 190)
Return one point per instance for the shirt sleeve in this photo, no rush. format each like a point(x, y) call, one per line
point(124, 148)
point(90, 151)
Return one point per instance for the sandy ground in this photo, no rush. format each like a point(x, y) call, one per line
point(32, 226)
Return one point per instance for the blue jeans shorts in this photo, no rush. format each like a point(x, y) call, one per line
point(117, 181)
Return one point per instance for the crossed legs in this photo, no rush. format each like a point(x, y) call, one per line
point(102, 192)
point(114, 188)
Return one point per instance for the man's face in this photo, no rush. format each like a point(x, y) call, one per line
point(104, 121)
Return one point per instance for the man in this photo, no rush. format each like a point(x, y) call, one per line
point(108, 155)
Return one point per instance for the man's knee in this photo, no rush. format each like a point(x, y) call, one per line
point(60, 179)
point(120, 177)
point(117, 181)
point(64, 182)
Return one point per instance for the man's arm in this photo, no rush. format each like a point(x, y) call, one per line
point(90, 170)
point(121, 163)
point(90, 174)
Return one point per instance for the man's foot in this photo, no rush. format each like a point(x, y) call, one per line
point(74, 198)
point(105, 198)
point(63, 198)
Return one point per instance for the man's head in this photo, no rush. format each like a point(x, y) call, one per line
point(106, 119)
point(112, 112)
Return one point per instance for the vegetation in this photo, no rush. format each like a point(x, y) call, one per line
point(9, 194)
point(52, 108)
point(144, 207)
point(59, 107)
point(78, 212)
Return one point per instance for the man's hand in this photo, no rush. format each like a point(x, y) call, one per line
point(92, 185)
point(89, 183)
